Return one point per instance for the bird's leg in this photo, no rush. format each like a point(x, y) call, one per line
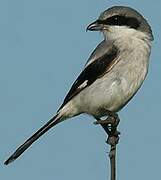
point(110, 126)
point(112, 119)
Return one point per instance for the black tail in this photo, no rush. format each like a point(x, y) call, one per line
point(52, 122)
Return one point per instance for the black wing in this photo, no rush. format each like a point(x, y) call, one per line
point(101, 63)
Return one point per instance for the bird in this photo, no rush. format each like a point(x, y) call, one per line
point(113, 73)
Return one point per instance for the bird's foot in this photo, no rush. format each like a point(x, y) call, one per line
point(113, 138)
point(110, 126)
point(112, 120)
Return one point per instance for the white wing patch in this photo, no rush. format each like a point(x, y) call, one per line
point(84, 84)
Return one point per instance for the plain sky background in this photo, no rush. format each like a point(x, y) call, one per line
point(43, 46)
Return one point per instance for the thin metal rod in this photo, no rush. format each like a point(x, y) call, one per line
point(112, 157)
point(112, 140)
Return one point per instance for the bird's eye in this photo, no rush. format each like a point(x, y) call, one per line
point(115, 19)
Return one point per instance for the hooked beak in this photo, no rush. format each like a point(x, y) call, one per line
point(95, 26)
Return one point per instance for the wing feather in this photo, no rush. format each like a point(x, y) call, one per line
point(101, 61)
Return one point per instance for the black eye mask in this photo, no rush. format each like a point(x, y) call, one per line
point(121, 21)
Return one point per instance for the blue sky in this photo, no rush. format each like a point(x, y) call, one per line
point(43, 46)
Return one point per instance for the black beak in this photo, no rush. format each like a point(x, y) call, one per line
point(95, 26)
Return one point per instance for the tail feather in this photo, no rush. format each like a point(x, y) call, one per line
point(52, 122)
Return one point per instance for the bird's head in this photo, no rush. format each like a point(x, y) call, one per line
point(120, 21)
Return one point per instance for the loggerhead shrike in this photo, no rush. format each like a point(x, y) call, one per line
point(113, 73)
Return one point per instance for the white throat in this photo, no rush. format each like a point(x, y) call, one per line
point(124, 37)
